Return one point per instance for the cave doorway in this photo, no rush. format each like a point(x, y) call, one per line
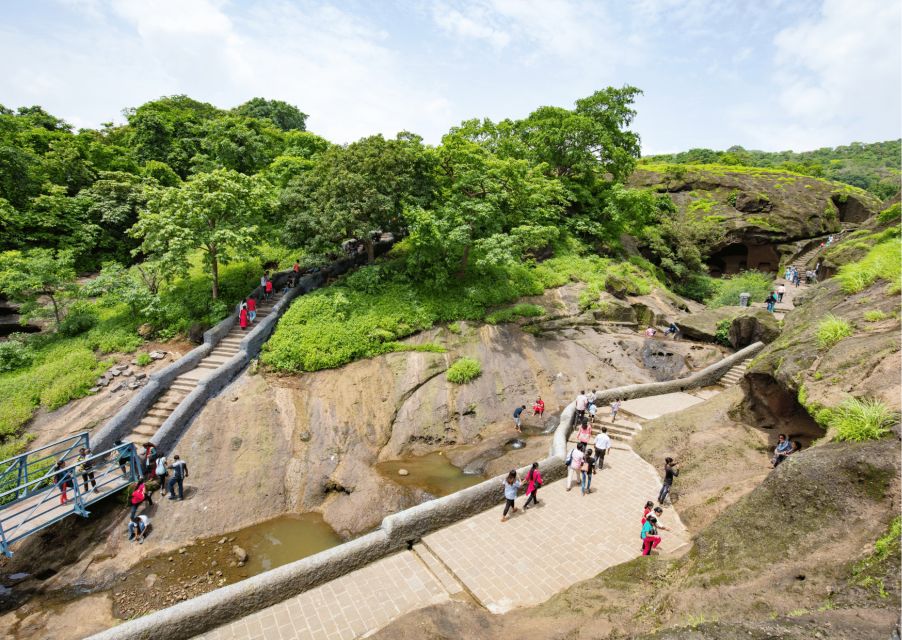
point(850, 209)
point(740, 256)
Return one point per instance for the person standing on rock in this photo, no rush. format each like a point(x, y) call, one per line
point(150, 454)
point(781, 291)
point(534, 482)
point(670, 472)
point(575, 463)
point(602, 446)
point(511, 487)
point(251, 309)
point(538, 409)
point(162, 473)
point(517, 413)
point(179, 473)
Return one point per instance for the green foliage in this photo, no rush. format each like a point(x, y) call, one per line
point(464, 370)
point(702, 204)
point(14, 354)
point(873, 167)
point(875, 315)
point(883, 563)
point(881, 263)
point(80, 318)
point(698, 287)
point(509, 314)
point(890, 214)
point(722, 333)
point(31, 276)
point(752, 282)
point(285, 116)
point(831, 330)
point(858, 420)
point(143, 359)
point(762, 223)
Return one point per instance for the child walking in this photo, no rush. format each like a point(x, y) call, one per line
point(511, 487)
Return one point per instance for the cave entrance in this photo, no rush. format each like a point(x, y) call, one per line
point(850, 209)
point(739, 256)
point(777, 411)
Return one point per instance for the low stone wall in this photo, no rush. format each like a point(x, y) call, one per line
point(706, 377)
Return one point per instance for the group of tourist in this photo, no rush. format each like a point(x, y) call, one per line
point(512, 484)
point(64, 481)
point(154, 467)
point(784, 449)
point(651, 527)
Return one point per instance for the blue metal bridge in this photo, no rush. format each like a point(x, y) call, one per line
point(41, 487)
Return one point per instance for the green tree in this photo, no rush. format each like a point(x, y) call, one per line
point(29, 276)
point(235, 142)
point(356, 190)
point(285, 116)
point(219, 213)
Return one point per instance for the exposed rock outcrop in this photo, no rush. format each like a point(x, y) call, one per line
point(747, 325)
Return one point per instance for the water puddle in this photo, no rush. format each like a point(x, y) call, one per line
point(285, 539)
point(432, 473)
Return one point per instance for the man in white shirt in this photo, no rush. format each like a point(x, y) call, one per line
point(602, 445)
point(581, 403)
point(137, 528)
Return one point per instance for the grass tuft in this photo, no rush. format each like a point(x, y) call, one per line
point(831, 330)
point(859, 420)
point(464, 370)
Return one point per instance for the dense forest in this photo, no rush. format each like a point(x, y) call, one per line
point(870, 166)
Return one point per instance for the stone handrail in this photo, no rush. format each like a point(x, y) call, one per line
point(396, 532)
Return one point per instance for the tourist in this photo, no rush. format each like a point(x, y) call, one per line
point(63, 480)
point(519, 410)
point(268, 288)
point(650, 332)
point(787, 275)
point(602, 446)
point(538, 409)
point(670, 472)
point(149, 455)
point(124, 458)
point(771, 300)
point(658, 512)
point(137, 528)
point(511, 487)
point(139, 496)
point(297, 271)
point(263, 279)
point(783, 449)
point(671, 330)
point(179, 473)
point(593, 410)
point(649, 507)
point(592, 396)
point(796, 277)
point(615, 407)
point(574, 464)
point(533, 483)
point(251, 309)
point(162, 471)
point(582, 401)
point(242, 317)
point(585, 433)
point(587, 471)
point(781, 291)
point(86, 469)
point(649, 535)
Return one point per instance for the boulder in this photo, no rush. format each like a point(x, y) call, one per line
point(115, 373)
point(157, 355)
point(118, 387)
point(240, 554)
point(196, 333)
point(754, 325)
point(702, 326)
point(145, 330)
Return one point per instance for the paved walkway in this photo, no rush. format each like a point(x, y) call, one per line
point(654, 406)
point(519, 563)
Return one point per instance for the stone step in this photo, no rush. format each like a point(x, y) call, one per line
point(437, 568)
point(153, 421)
point(208, 365)
point(158, 413)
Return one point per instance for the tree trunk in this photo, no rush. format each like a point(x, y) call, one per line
point(370, 250)
point(464, 260)
point(56, 309)
point(214, 263)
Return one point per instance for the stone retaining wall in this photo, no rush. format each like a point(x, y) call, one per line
point(397, 531)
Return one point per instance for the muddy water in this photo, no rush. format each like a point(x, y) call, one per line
point(282, 540)
point(432, 473)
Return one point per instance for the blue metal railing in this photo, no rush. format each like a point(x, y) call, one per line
point(42, 496)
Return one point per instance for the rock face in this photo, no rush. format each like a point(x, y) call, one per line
point(760, 209)
point(747, 325)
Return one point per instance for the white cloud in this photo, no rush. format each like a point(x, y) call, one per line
point(475, 25)
point(836, 76)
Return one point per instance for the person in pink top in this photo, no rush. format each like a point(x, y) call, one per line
point(574, 464)
point(585, 432)
point(534, 481)
point(242, 317)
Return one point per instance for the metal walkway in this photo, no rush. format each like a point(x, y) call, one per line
point(44, 486)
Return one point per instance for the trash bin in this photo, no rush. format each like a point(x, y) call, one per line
point(744, 299)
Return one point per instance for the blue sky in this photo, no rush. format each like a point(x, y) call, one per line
point(765, 74)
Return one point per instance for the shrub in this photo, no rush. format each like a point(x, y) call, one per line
point(81, 317)
point(14, 355)
point(517, 311)
point(698, 287)
point(464, 370)
point(755, 283)
point(890, 214)
point(858, 420)
point(875, 315)
point(831, 330)
point(722, 334)
point(143, 359)
point(882, 262)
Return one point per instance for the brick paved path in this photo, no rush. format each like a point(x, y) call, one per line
point(519, 563)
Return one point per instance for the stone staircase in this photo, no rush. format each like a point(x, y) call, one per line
point(185, 383)
point(621, 431)
point(734, 375)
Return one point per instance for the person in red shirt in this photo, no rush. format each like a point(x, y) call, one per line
point(251, 309)
point(242, 317)
point(539, 407)
point(268, 287)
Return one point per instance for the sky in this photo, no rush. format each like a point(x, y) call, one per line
point(764, 74)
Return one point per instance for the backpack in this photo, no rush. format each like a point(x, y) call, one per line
point(569, 459)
